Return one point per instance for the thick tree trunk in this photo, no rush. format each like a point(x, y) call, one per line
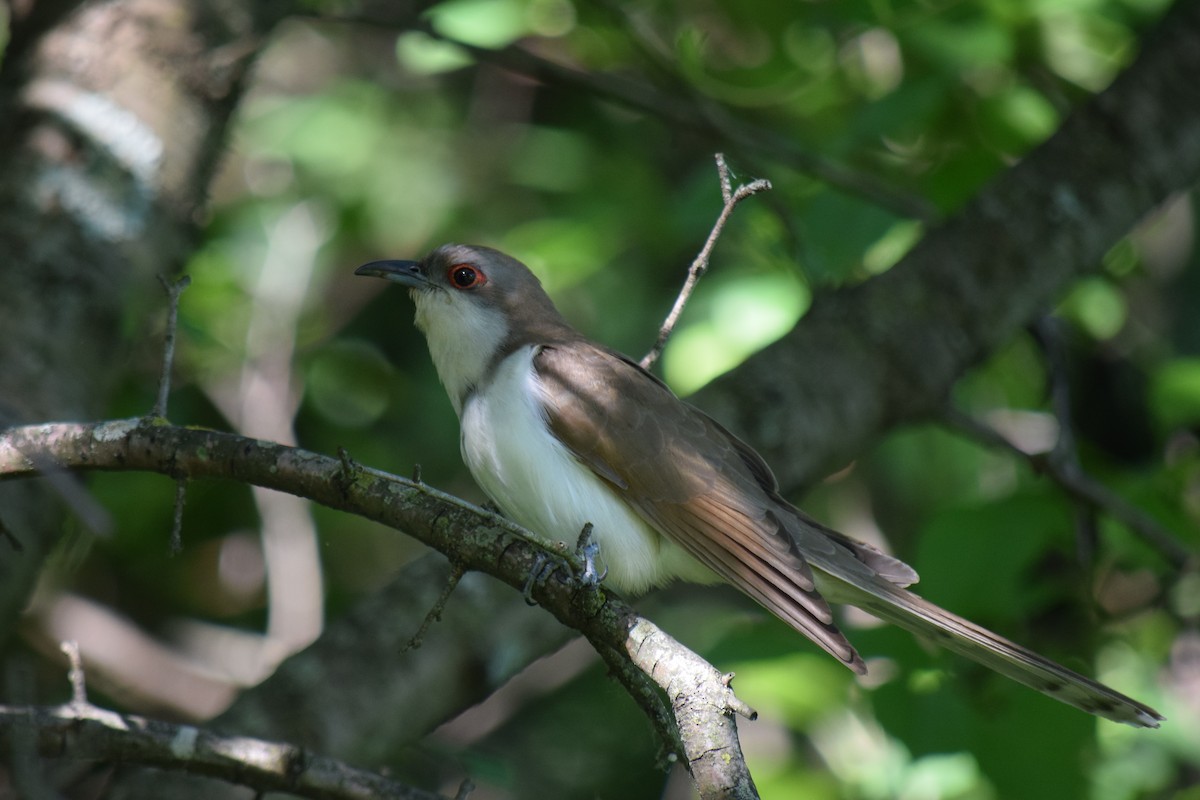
point(113, 115)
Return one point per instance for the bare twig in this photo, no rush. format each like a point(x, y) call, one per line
point(464, 790)
point(700, 265)
point(173, 289)
point(176, 542)
point(93, 516)
point(91, 733)
point(435, 613)
point(1070, 476)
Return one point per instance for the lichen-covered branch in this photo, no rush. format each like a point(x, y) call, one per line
point(84, 732)
point(471, 537)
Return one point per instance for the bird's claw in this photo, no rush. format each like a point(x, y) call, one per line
point(587, 550)
point(543, 567)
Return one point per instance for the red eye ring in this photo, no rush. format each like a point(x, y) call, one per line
point(465, 276)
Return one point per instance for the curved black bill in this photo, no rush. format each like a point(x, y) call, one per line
point(408, 273)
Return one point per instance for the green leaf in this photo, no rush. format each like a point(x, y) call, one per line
point(1175, 393)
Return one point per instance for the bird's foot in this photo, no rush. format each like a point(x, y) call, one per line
point(546, 565)
point(587, 550)
point(543, 567)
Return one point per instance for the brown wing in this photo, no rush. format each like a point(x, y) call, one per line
point(704, 489)
point(691, 480)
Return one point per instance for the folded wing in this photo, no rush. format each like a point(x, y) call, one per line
point(711, 494)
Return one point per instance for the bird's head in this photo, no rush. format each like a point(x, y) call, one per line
point(475, 305)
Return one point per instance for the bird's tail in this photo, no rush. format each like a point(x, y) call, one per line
point(917, 615)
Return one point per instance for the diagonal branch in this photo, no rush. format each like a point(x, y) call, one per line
point(887, 351)
point(1068, 473)
point(472, 538)
point(720, 125)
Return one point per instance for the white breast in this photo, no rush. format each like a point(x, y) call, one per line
point(540, 485)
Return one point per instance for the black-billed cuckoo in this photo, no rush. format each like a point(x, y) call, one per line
point(560, 431)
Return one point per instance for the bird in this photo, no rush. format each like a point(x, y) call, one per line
point(562, 432)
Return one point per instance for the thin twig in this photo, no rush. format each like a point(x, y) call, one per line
point(177, 517)
point(725, 175)
point(1078, 484)
point(700, 265)
point(435, 613)
point(173, 289)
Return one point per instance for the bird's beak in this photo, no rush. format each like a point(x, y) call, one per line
point(407, 273)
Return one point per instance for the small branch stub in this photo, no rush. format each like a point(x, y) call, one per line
point(75, 675)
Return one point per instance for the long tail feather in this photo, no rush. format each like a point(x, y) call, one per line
point(917, 615)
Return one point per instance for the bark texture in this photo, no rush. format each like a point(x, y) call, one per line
point(113, 115)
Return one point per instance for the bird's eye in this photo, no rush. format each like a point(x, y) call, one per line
point(464, 276)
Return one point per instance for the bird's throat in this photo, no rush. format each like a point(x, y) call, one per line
point(463, 338)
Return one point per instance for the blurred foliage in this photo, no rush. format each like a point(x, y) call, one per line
point(360, 142)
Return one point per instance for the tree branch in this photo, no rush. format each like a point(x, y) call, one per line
point(1066, 471)
point(715, 122)
point(473, 538)
point(82, 731)
point(704, 708)
point(889, 350)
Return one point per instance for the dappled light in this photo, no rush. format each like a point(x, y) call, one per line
point(1023, 427)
